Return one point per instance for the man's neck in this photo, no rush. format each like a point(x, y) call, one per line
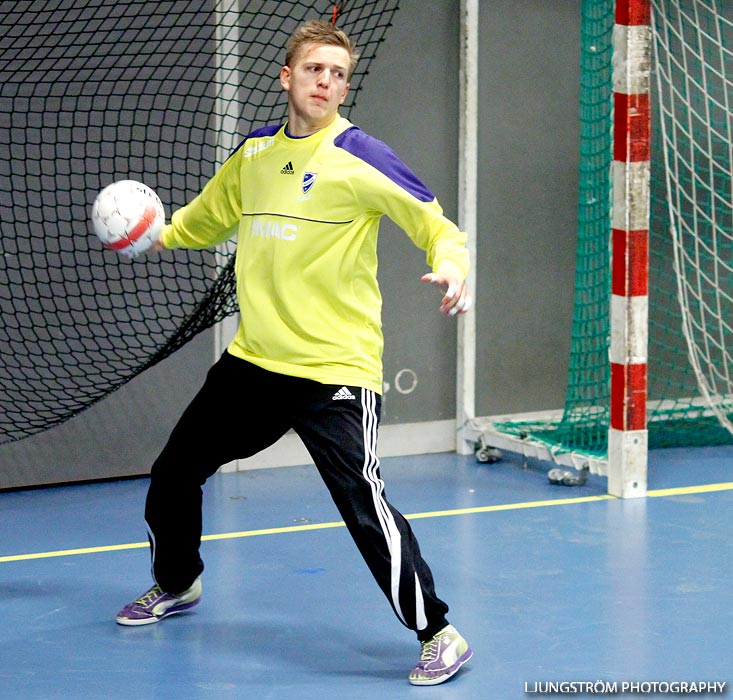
point(297, 128)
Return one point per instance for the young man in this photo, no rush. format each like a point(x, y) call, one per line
point(305, 199)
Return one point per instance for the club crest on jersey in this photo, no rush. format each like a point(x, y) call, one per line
point(309, 180)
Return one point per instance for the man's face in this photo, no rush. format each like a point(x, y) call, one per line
point(316, 84)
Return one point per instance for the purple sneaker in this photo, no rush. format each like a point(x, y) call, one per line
point(156, 604)
point(441, 657)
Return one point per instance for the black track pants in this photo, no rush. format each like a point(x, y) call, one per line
point(242, 409)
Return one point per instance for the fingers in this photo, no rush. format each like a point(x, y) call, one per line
point(456, 299)
point(461, 306)
point(456, 304)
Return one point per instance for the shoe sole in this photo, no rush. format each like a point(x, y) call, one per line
point(442, 679)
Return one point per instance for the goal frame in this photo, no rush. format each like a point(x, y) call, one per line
point(630, 210)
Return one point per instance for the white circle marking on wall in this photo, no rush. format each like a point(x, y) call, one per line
point(405, 381)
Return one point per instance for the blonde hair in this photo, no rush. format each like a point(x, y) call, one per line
point(316, 31)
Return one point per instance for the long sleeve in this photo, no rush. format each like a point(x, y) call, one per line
point(386, 185)
point(213, 216)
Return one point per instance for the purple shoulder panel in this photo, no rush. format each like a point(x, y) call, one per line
point(383, 158)
point(269, 130)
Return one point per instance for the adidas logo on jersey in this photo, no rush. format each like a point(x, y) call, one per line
point(288, 169)
point(342, 393)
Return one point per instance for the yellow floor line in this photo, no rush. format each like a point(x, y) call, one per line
point(687, 490)
point(682, 491)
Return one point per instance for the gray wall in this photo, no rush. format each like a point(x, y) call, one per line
point(529, 56)
point(528, 165)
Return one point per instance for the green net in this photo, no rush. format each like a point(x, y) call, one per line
point(692, 98)
point(97, 91)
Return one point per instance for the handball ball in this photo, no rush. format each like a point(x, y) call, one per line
point(128, 217)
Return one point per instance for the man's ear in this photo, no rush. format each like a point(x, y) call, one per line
point(345, 92)
point(285, 77)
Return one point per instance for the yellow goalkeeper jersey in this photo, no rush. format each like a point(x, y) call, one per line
point(306, 214)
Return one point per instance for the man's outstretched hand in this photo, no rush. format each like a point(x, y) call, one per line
point(456, 299)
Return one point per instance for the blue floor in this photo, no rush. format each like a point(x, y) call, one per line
point(548, 583)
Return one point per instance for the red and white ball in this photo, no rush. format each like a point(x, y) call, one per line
point(128, 217)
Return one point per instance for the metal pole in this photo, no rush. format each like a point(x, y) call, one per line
point(467, 219)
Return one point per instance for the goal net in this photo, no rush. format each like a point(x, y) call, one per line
point(97, 91)
point(690, 331)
